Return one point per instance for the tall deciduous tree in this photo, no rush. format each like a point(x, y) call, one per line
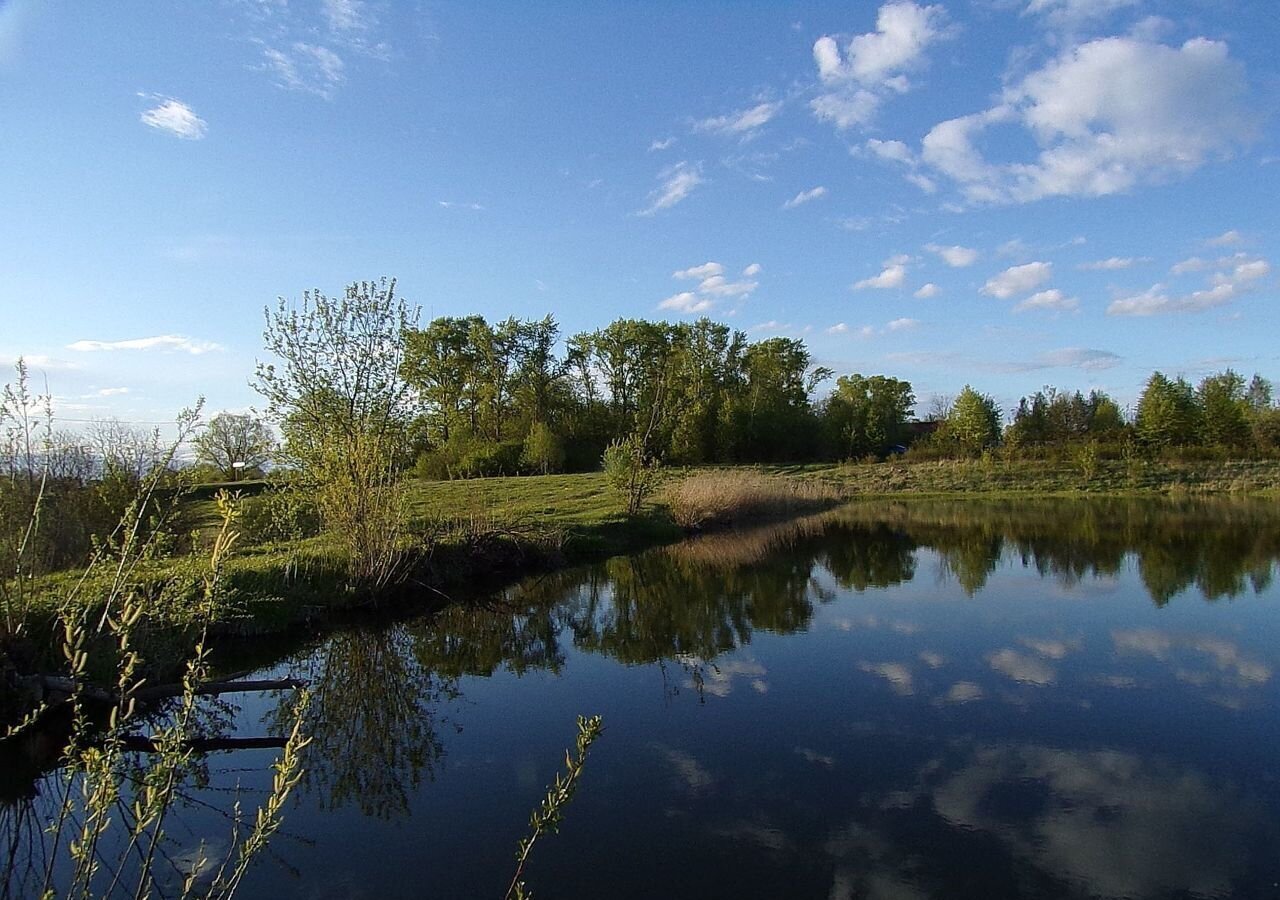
point(1168, 414)
point(235, 444)
point(974, 421)
point(869, 413)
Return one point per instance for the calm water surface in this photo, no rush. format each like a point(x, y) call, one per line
point(960, 699)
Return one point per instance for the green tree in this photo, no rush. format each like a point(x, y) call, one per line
point(974, 421)
point(1224, 410)
point(868, 414)
point(236, 445)
point(1168, 414)
point(338, 390)
point(543, 449)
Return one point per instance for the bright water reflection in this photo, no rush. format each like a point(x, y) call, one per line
point(926, 699)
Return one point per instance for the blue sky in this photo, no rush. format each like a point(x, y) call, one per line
point(1004, 192)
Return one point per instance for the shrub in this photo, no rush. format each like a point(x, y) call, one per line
point(631, 472)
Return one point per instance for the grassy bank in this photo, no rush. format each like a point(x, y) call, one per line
point(997, 476)
point(474, 535)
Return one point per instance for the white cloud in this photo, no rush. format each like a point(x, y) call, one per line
point(706, 270)
point(741, 122)
point(903, 31)
point(1224, 286)
point(1108, 115)
point(111, 392)
point(1111, 264)
point(687, 302)
point(306, 67)
point(926, 291)
point(838, 328)
point(662, 144)
point(719, 286)
point(957, 257)
point(1226, 239)
point(805, 197)
point(892, 276)
point(1193, 264)
point(1080, 358)
point(175, 117)
point(166, 342)
point(894, 151)
point(871, 64)
point(678, 182)
point(712, 288)
point(845, 110)
point(1018, 280)
point(1052, 299)
point(1073, 13)
point(454, 204)
point(902, 324)
point(1022, 668)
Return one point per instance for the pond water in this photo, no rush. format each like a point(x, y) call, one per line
point(925, 699)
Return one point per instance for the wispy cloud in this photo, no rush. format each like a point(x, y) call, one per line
point(805, 196)
point(663, 144)
point(741, 123)
point(174, 117)
point(677, 183)
point(306, 67)
point(453, 204)
point(1112, 264)
point(163, 342)
point(1226, 239)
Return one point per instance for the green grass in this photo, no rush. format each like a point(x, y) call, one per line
point(488, 530)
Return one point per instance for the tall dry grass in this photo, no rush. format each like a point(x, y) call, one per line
point(718, 499)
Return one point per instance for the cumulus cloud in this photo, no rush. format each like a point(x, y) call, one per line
point(712, 287)
point(662, 144)
point(897, 152)
point(706, 270)
point(174, 117)
point(677, 183)
point(1018, 280)
point(903, 31)
point(926, 291)
point(838, 328)
point(742, 122)
point(165, 342)
point(1239, 276)
point(902, 324)
point(805, 197)
point(891, 276)
point(957, 257)
point(871, 65)
point(1052, 299)
point(1107, 115)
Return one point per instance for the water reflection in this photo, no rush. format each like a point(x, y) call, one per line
point(925, 699)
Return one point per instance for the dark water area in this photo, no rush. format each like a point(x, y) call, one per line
point(956, 699)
